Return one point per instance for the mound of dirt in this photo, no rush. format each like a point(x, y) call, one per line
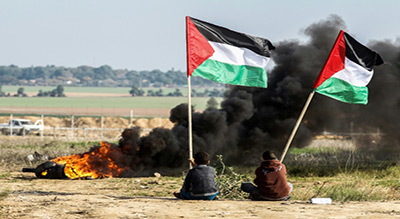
point(56, 122)
point(155, 122)
point(143, 123)
point(87, 122)
point(116, 122)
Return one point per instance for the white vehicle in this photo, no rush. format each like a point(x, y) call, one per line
point(21, 127)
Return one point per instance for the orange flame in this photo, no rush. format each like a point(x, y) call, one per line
point(98, 163)
point(44, 173)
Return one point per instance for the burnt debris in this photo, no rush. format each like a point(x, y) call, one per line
point(48, 170)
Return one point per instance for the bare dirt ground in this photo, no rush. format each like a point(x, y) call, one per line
point(29, 197)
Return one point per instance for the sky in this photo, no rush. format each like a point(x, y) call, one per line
point(148, 35)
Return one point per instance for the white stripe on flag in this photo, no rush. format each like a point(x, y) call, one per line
point(354, 74)
point(237, 56)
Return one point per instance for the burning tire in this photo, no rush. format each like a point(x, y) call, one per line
point(50, 170)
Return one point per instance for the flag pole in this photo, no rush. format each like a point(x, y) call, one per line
point(308, 101)
point(190, 123)
point(297, 124)
point(189, 93)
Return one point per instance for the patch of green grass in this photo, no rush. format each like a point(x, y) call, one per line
point(341, 180)
point(320, 162)
point(199, 103)
point(342, 188)
point(393, 183)
point(352, 191)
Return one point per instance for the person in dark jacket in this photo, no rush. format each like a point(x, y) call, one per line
point(199, 182)
point(271, 184)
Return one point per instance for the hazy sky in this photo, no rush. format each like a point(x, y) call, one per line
point(147, 35)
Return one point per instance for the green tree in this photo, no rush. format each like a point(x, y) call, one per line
point(20, 92)
point(159, 93)
point(60, 91)
point(40, 94)
point(150, 93)
point(176, 93)
point(53, 93)
point(135, 91)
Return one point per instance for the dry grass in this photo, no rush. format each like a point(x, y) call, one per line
point(338, 174)
point(344, 174)
point(14, 151)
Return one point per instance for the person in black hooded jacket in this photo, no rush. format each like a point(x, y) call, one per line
point(199, 182)
point(271, 184)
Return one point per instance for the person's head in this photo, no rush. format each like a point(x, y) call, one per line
point(202, 158)
point(269, 155)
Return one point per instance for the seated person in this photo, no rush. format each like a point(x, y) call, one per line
point(199, 182)
point(271, 184)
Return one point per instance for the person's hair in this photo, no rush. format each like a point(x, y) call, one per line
point(269, 155)
point(201, 158)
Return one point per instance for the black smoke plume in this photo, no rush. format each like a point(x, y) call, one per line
point(251, 120)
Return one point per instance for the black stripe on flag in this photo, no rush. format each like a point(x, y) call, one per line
point(360, 54)
point(219, 34)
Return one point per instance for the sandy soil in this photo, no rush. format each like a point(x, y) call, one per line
point(30, 197)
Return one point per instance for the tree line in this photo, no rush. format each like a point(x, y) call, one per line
point(57, 92)
point(135, 91)
point(51, 75)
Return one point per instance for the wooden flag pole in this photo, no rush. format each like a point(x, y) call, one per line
point(190, 123)
point(308, 101)
point(189, 93)
point(297, 125)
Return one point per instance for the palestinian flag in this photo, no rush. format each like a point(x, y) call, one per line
point(347, 71)
point(225, 56)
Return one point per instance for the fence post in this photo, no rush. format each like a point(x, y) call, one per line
point(11, 124)
point(72, 125)
point(42, 128)
point(131, 119)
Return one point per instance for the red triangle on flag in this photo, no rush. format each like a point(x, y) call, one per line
point(335, 61)
point(198, 48)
